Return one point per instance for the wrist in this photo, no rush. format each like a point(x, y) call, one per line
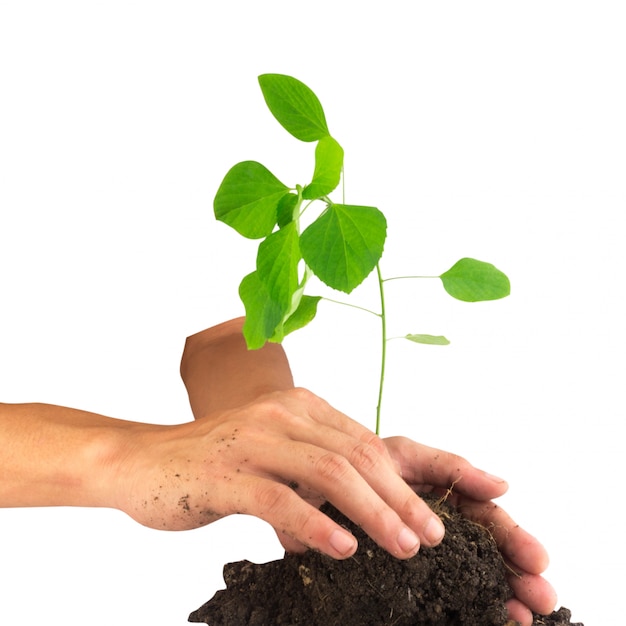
point(95, 474)
point(116, 455)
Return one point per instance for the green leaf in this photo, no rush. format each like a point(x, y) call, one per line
point(304, 314)
point(277, 266)
point(344, 244)
point(263, 314)
point(328, 166)
point(473, 281)
point(248, 198)
point(295, 106)
point(285, 209)
point(431, 340)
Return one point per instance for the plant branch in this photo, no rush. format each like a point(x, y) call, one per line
point(352, 306)
point(386, 280)
point(383, 358)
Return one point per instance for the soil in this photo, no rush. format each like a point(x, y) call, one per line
point(460, 582)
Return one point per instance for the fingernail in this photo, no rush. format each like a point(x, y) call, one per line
point(434, 530)
point(343, 542)
point(408, 541)
point(496, 479)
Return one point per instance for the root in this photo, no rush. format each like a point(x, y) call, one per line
point(437, 504)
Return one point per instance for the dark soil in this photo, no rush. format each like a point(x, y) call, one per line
point(461, 582)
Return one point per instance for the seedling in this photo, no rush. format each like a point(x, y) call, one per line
point(341, 246)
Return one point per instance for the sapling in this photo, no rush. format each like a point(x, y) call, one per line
point(341, 245)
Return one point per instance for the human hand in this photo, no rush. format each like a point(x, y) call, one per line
point(428, 469)
point(219, 371)
point(276, 458)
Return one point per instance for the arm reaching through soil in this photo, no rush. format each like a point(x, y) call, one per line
point(209, 376)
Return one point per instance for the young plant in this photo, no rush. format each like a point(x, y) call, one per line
point(341, 246)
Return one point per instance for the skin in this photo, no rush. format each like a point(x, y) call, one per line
point(262, 447)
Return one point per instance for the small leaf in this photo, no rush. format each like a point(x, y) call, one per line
point(277, 265)
point(474, 281)
point(263, 315)
point(344, 244)
point(431, 340)
point(304, 314)
point(285, 209)
point(295, 106)
point(247, 199)
point(328, 166)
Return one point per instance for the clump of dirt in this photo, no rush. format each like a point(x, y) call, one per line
point(460, 582)
point(557, 618)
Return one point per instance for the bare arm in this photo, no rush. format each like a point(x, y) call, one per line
point(57, 456)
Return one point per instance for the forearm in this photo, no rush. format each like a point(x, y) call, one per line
point(57, 456)
point(220, 372)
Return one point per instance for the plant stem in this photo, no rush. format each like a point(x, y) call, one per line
point(352, 306)
point(383, 358)
point(386, 280)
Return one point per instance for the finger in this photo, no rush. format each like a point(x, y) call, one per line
point(519, 612)
point(526, 558)
point(302, 416)
point(533, 592)
point(425, 466)
point(291, 545)
point(320, 412)
point(361, 484)
point(296, 522)
point(515, 544)
point(337, 457)
point(285, 424)
point(352, 467)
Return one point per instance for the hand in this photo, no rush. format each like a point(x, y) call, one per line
point(347, 460)
point(277, 458)
point(428, 469)
point(220, 373)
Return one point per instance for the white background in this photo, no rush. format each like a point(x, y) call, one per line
point(486, 129)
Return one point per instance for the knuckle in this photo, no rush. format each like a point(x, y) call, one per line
point(452, 458)
point(272, 498)
point(308, 399)
point(332, 467)
point(375, 442)
point(289, 404)
point(271, 408)
point(302, 393)
point(366, 457)
point(404, 445)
